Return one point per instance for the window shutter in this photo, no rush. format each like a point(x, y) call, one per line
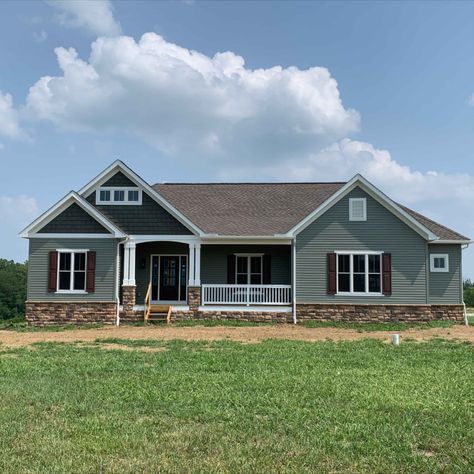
point(53, 271)
point(230, 269)
point(267, 269)
point(387, 274)
point(90, 282)
point(331, 273)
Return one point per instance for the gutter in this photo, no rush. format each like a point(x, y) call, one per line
point(117, 281)
point(466, 321)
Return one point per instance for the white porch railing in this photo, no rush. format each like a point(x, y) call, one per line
point(246, 294)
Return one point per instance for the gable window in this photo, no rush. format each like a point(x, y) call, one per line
point(357, 209)
point(119, 196)
point(359, 273)
point(249, 269)
point(71, 271)
point(439, 262)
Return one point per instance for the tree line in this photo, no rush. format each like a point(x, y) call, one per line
point(12, 288)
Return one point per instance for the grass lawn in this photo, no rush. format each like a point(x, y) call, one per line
point(278, 406)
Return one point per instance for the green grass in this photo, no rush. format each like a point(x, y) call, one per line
point(20, 325)
point(362, 327)
point(277, 406)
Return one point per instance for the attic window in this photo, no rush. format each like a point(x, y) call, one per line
point(439, 262)
point(119, 196)
point(358, 209)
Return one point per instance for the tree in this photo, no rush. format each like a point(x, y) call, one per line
point(12, 288)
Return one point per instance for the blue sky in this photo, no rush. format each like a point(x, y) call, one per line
point(306, 91)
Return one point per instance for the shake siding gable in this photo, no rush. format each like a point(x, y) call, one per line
point(381, 232)
point(73, 220)
point(149, 218)
point(39, 249)
point(119, 179)
point(445, 287)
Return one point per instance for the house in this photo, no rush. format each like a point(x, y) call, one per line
point(120, 249)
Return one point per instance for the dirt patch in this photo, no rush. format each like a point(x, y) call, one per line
point(243, 334)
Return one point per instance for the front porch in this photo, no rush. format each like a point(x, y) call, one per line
point(189, 277)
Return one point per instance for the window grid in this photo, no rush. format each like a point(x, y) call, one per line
point(119, 196)
point(249, 269)
point(72, 270)
point(362, 277)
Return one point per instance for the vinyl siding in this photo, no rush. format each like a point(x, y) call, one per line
point(39, 249)
point(149, 218)
point(445, 287)
point(119, 179)
point(214, 261)
point(73, 220)
point(381, 232)
point(143, 262)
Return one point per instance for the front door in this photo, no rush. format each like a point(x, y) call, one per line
point(168, 277)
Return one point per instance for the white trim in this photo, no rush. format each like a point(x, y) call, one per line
point(113, 202)
point(353, 201)
point(182, 239)
point(74, 236)
point(445, 256)
point(351, 273)
point(249, 273)
point(371, 190)
point(71, 271)
point(247, 309)
point(63, 204)
point(119, 165)
point(244, 254)
point(236, 240)
point(459, 242)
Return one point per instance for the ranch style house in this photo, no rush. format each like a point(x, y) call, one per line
point(120, 249)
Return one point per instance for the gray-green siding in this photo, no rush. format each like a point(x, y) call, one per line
point(214, 261)
point(73, 220)
point(381, 232)
point(445, 287)
point(39, 249)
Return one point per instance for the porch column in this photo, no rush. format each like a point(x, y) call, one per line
point(129, 260)
point(197, 268)
point(191, 263)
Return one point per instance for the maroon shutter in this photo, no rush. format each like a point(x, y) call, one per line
point(90, 280)
point(331, 273)
point(230, 269)
point(267, 270)
point(387, 274)
point(53, 271)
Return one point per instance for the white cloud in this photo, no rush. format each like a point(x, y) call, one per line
point(95, 16)
point(9, 125)
point(185, 102)
point(20, 208)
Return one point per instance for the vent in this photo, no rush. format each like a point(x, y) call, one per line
point(357, 209)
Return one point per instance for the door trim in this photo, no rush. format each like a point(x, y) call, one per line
point(159, 277)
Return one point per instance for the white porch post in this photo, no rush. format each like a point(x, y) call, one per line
point(129, 260)
point(197, 268)
point(191, 263)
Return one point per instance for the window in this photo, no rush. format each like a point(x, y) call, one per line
point(359, 273)
point(439, 262)
point(358, 209)
point(72, 271)
point(248, 269)
point(119, 196)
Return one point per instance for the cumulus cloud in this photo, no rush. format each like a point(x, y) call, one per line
point(96, 16)
point(9, 121)
point(184, 102)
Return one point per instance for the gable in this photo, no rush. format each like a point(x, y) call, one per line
point(149, 218)
point(119, 179)
point(73, 220)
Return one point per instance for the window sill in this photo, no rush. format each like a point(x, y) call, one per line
point(359, 294)
point(71, 292)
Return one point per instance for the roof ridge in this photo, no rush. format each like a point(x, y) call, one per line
point(249, 183)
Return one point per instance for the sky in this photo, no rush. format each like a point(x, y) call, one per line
point(237, 91)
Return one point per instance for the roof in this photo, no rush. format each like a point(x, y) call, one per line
point(230, 209)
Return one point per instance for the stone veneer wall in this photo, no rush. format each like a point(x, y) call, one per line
point(129, 297)
point(370, 313)
point(46, 313)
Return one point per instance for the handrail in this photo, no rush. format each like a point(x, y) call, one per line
point(247, 295)
point(147, 311)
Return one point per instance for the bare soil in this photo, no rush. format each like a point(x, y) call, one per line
point(253, 334)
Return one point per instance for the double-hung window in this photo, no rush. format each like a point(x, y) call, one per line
point(72, 271)
point(249, 269)
point(359, 273)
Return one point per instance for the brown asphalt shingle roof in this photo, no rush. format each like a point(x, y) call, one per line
point(260, 209)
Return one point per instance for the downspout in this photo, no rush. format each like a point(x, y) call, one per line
point(293, 263)
point(117, 281)
point(466, 321)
